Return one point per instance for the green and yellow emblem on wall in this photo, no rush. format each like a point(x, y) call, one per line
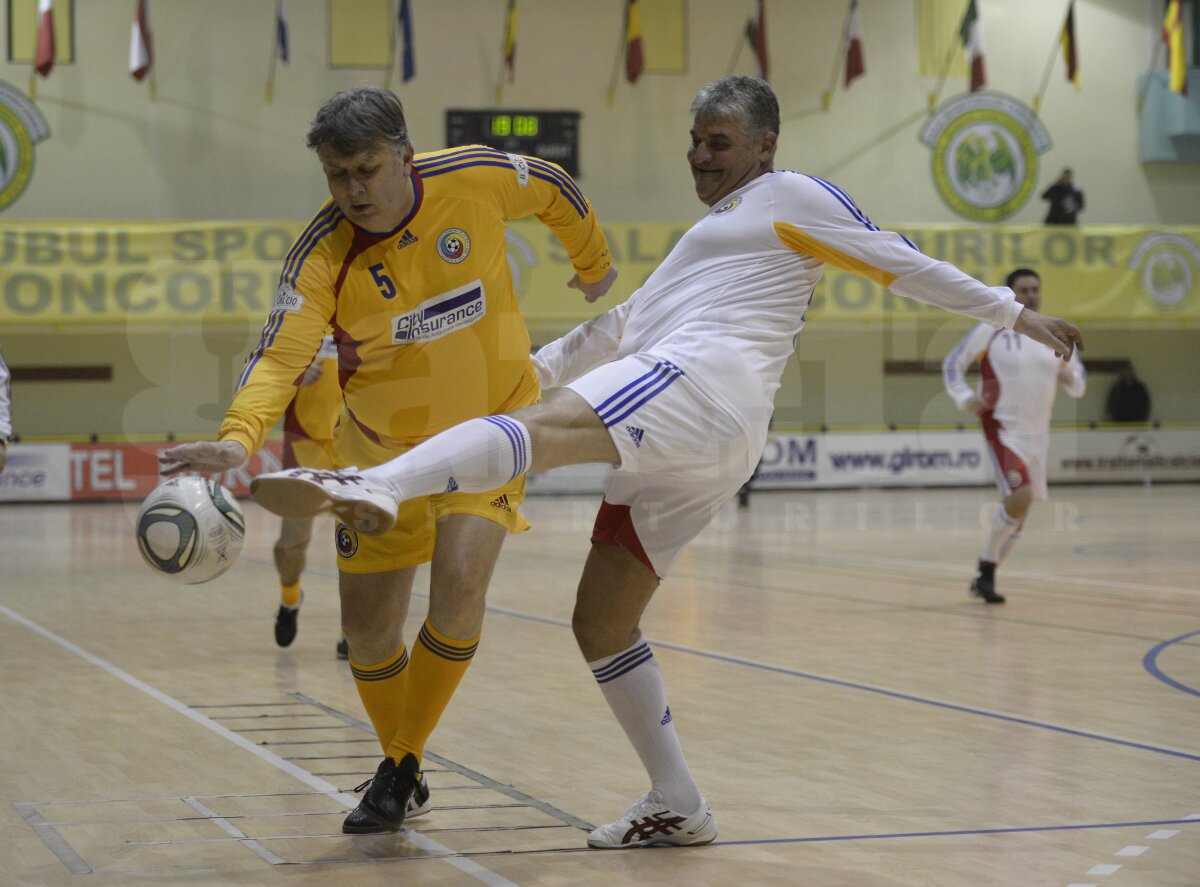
point(985, 154)
point(21, 127)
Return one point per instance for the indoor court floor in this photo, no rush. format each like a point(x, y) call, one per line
point(854, 719)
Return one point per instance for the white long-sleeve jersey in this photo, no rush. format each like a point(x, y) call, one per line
point(1020, 380)
point(5, 401)
point(726, 304)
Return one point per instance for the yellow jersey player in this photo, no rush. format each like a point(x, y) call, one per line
point(308, 428)
point(408, 265)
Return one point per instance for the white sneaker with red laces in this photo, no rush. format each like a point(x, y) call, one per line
point(650, 822)
point(307, 492)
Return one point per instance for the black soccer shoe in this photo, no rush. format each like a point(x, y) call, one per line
point(984, 584)
point(357, 822)
point(343, 649)
point(389, 793)
point(285, 625)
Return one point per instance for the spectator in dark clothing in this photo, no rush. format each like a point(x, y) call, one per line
point(1066, 201)
point(1128, 399)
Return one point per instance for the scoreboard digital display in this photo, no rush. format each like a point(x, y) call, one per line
point(551, 135)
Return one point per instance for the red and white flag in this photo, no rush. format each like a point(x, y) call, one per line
point(855, 66)
point(44, 61)
point(970, 32)
point(141, 49)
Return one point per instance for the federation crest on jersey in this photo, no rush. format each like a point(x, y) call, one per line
point(453, 245)
point(727, 206)
point(346, 540)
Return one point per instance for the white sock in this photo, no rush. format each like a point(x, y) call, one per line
point(1008, 545)
point(633, 686)
point(1002, 529)
point(476, 456)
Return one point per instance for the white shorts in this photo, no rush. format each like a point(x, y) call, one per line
point(682, 456)
point(1017, 461)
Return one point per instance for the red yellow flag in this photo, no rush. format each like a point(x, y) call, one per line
point(634, 62)
point(1067, 39)
point(1172, 35)
point(510, 40)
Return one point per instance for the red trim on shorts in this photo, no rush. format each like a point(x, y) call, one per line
point(614, 526)
point(1012, 466)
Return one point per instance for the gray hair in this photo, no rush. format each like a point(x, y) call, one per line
point(749, 99)
point(359, 119)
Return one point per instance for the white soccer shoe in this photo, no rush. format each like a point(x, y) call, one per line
point(307, 492)
point(650, 822)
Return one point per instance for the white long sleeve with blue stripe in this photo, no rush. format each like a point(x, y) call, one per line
point(727, 303)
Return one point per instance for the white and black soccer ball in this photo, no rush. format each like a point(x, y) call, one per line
point(190, 529)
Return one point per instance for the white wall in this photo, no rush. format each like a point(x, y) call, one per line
point(209, 146)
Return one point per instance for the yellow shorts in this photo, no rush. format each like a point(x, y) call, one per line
point(299, 450)
point(411, 541)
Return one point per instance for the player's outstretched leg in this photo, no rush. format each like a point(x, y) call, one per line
point(473, 457)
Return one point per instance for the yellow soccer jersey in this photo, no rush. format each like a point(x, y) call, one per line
point(425, 318)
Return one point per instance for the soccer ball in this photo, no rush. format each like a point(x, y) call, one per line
point(190, 529)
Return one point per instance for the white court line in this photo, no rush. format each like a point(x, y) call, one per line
point(1162, 834)
point(958, 569)
point(1103, 868)
point(466, 866)
point(1131, 850)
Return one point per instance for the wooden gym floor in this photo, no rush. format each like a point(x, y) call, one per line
point(853, 718)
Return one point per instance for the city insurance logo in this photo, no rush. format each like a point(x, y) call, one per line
point(21, 127)
point(985, 154)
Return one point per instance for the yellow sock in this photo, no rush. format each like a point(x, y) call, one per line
point(290, 595)
point(381, 688)
point(438, 664)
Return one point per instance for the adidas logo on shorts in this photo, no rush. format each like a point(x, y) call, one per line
point(451, 486)
point(636, 434)
point(501, 502)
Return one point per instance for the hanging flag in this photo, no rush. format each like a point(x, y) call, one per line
point(44, 61)
point(510, 40)
point(1172, 35)
point(408, 66)
point(971, 34)
point(855, 66)
point(141, 49)
point(633, 42)
point(1067, 39)
point(281, 32)
point(756, 36)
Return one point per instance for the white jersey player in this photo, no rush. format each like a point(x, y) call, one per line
point(1016, 397)
point(674, 388)
point(5, 411)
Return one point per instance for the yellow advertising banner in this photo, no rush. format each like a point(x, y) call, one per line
point(131, 273)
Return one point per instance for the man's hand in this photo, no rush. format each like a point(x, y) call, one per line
point(1054, 332)
point(596, 289)
point(203, 455)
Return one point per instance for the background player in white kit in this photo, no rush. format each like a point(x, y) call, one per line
point(1020, 381)
point(675, 389)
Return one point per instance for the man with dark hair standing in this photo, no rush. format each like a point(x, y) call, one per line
point(1066, 201)
point(1020, 380)
point(408, 263)
point(674, 388)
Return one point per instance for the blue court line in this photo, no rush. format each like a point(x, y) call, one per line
point(1150, 663)
point(893, 694)
point(973, 831)
point(867, 688)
